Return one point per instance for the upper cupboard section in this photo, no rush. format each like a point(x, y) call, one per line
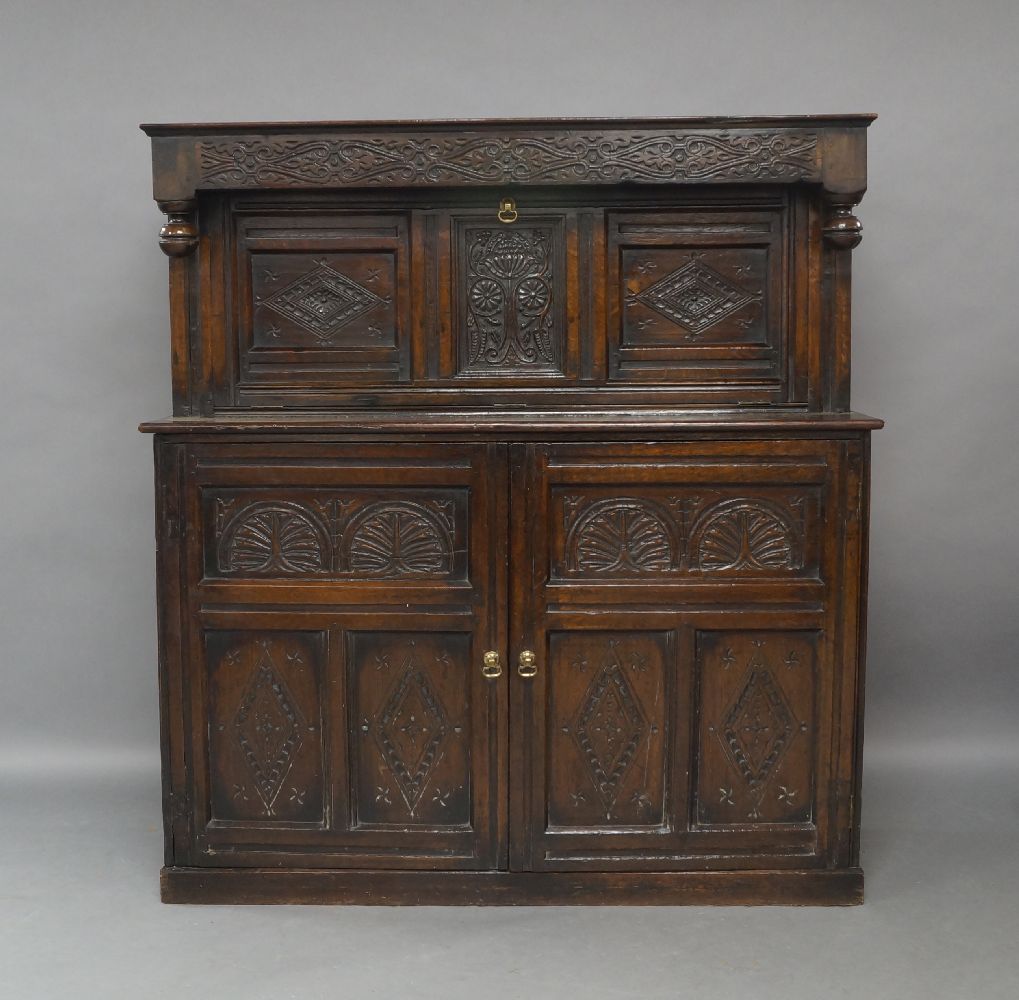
point(614, 262)
point(696, 298)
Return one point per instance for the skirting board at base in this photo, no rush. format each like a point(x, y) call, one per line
point(843, 887)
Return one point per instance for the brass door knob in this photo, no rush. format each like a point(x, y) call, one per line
point(526, 665)
point(492, 665)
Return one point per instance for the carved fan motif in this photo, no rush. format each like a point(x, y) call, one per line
point(399, 540)
point(621, 536)
point(273, 537)
point(744, 535)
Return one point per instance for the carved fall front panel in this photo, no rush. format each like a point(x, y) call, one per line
point(608, 719)
point(510, 290)
point(410, 729)
point(757, 733)
point(265, 726)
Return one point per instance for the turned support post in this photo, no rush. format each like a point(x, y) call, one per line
point(179, 235)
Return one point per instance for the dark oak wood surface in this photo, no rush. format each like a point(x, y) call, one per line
point(512, 520)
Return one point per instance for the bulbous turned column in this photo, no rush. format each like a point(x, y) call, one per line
point(842, 229)
point(179, 235)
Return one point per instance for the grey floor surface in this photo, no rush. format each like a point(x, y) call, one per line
point(80, 916)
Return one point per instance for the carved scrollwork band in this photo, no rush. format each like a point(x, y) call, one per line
point(468, 157)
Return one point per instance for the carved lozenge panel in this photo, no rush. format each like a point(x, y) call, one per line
point(511, 296)
point(349, 534)
point(410, 729)
point(323, 301)
point(673, 298)
point(757, 732)
point(265, 726)
point(608, 728)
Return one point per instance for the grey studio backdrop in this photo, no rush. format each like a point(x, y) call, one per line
point(85, 357)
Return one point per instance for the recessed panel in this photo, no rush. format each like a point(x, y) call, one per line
point(757, 732)
point(610, 697)
point(410, 729)
point(359, 534)
point(698, 296)
point(323, 298)
point(265, 727)
point(510, 294)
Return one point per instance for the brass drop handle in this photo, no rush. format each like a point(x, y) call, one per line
point(526, 665)
point(507, 211)
point(492, 665)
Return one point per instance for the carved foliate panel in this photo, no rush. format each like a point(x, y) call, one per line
point(510, 293)
point(757, 730)
point(676, 533)
point(355, 534)
point(410, 729)
point(265, 726)
point(608, 728)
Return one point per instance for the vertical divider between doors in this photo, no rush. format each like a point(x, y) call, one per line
point(497, 714)
point(521, 584)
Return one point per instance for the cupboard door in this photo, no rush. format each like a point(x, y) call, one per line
point(333, 709)
point(676, 599)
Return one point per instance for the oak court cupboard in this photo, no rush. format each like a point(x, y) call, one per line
point(511, 519)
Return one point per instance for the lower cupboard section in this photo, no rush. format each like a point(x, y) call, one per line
point(381, 747)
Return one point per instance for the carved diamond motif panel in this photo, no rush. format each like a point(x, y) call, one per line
point(758, 727)
point(609, 729)
point(268, 728)
point(410, 761)
point(510, 291)
point(263, 728)
point(607, 717)
point(410, 732)
point(695, 297)
point(323, 301)
point(758, 702)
